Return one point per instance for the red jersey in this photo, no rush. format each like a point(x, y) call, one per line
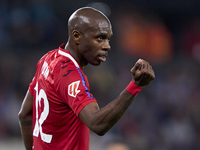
point(60, 90)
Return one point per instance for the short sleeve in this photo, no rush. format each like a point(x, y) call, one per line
point(31, 86)
point(73, 87)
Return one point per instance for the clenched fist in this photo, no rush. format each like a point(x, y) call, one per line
point(142, 73)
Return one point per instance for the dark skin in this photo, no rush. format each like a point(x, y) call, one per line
point(89, 34)
point(25, 120)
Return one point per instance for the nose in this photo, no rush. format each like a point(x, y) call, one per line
point(106, 45)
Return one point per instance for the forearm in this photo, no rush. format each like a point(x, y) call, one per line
point(27, 133)
point(102, 120)
point(108, 116)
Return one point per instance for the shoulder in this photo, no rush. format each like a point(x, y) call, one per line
point(66, 66)
point(47, 57)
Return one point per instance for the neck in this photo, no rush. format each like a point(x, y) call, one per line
point(74, 52)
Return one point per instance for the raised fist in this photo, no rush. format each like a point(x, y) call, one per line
point(142, 73)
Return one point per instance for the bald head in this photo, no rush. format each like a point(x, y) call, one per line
point(85, 18)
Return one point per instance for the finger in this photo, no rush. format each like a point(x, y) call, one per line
point(147, 71)
point(138, 65)
point(151, 71)
point(148, 67)
point(153, 74)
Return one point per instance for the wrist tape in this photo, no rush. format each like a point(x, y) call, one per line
point(133, 88)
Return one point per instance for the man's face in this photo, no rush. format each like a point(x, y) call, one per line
point(94, 45)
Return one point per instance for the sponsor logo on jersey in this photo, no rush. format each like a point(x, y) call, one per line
point(73, 88)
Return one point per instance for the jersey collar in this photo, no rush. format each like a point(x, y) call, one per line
point(67, 54)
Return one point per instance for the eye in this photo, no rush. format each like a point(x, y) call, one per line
point(100, 38)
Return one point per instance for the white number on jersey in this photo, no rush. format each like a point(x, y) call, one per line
point(39, 121)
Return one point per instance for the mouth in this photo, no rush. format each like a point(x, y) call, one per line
point(102, 57)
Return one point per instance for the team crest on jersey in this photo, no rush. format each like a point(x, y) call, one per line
point(73, 88)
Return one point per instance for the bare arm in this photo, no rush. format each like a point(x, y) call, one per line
point(25, 121)
point(102, 120)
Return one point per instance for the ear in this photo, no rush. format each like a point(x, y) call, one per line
point(76, 36)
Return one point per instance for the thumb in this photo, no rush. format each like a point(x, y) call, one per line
point(137, 65)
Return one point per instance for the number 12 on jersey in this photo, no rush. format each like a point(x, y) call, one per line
point(39, 121)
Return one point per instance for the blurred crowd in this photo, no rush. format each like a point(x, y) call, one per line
point(164, 116)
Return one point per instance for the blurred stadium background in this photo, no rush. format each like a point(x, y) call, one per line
point(164, 116)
